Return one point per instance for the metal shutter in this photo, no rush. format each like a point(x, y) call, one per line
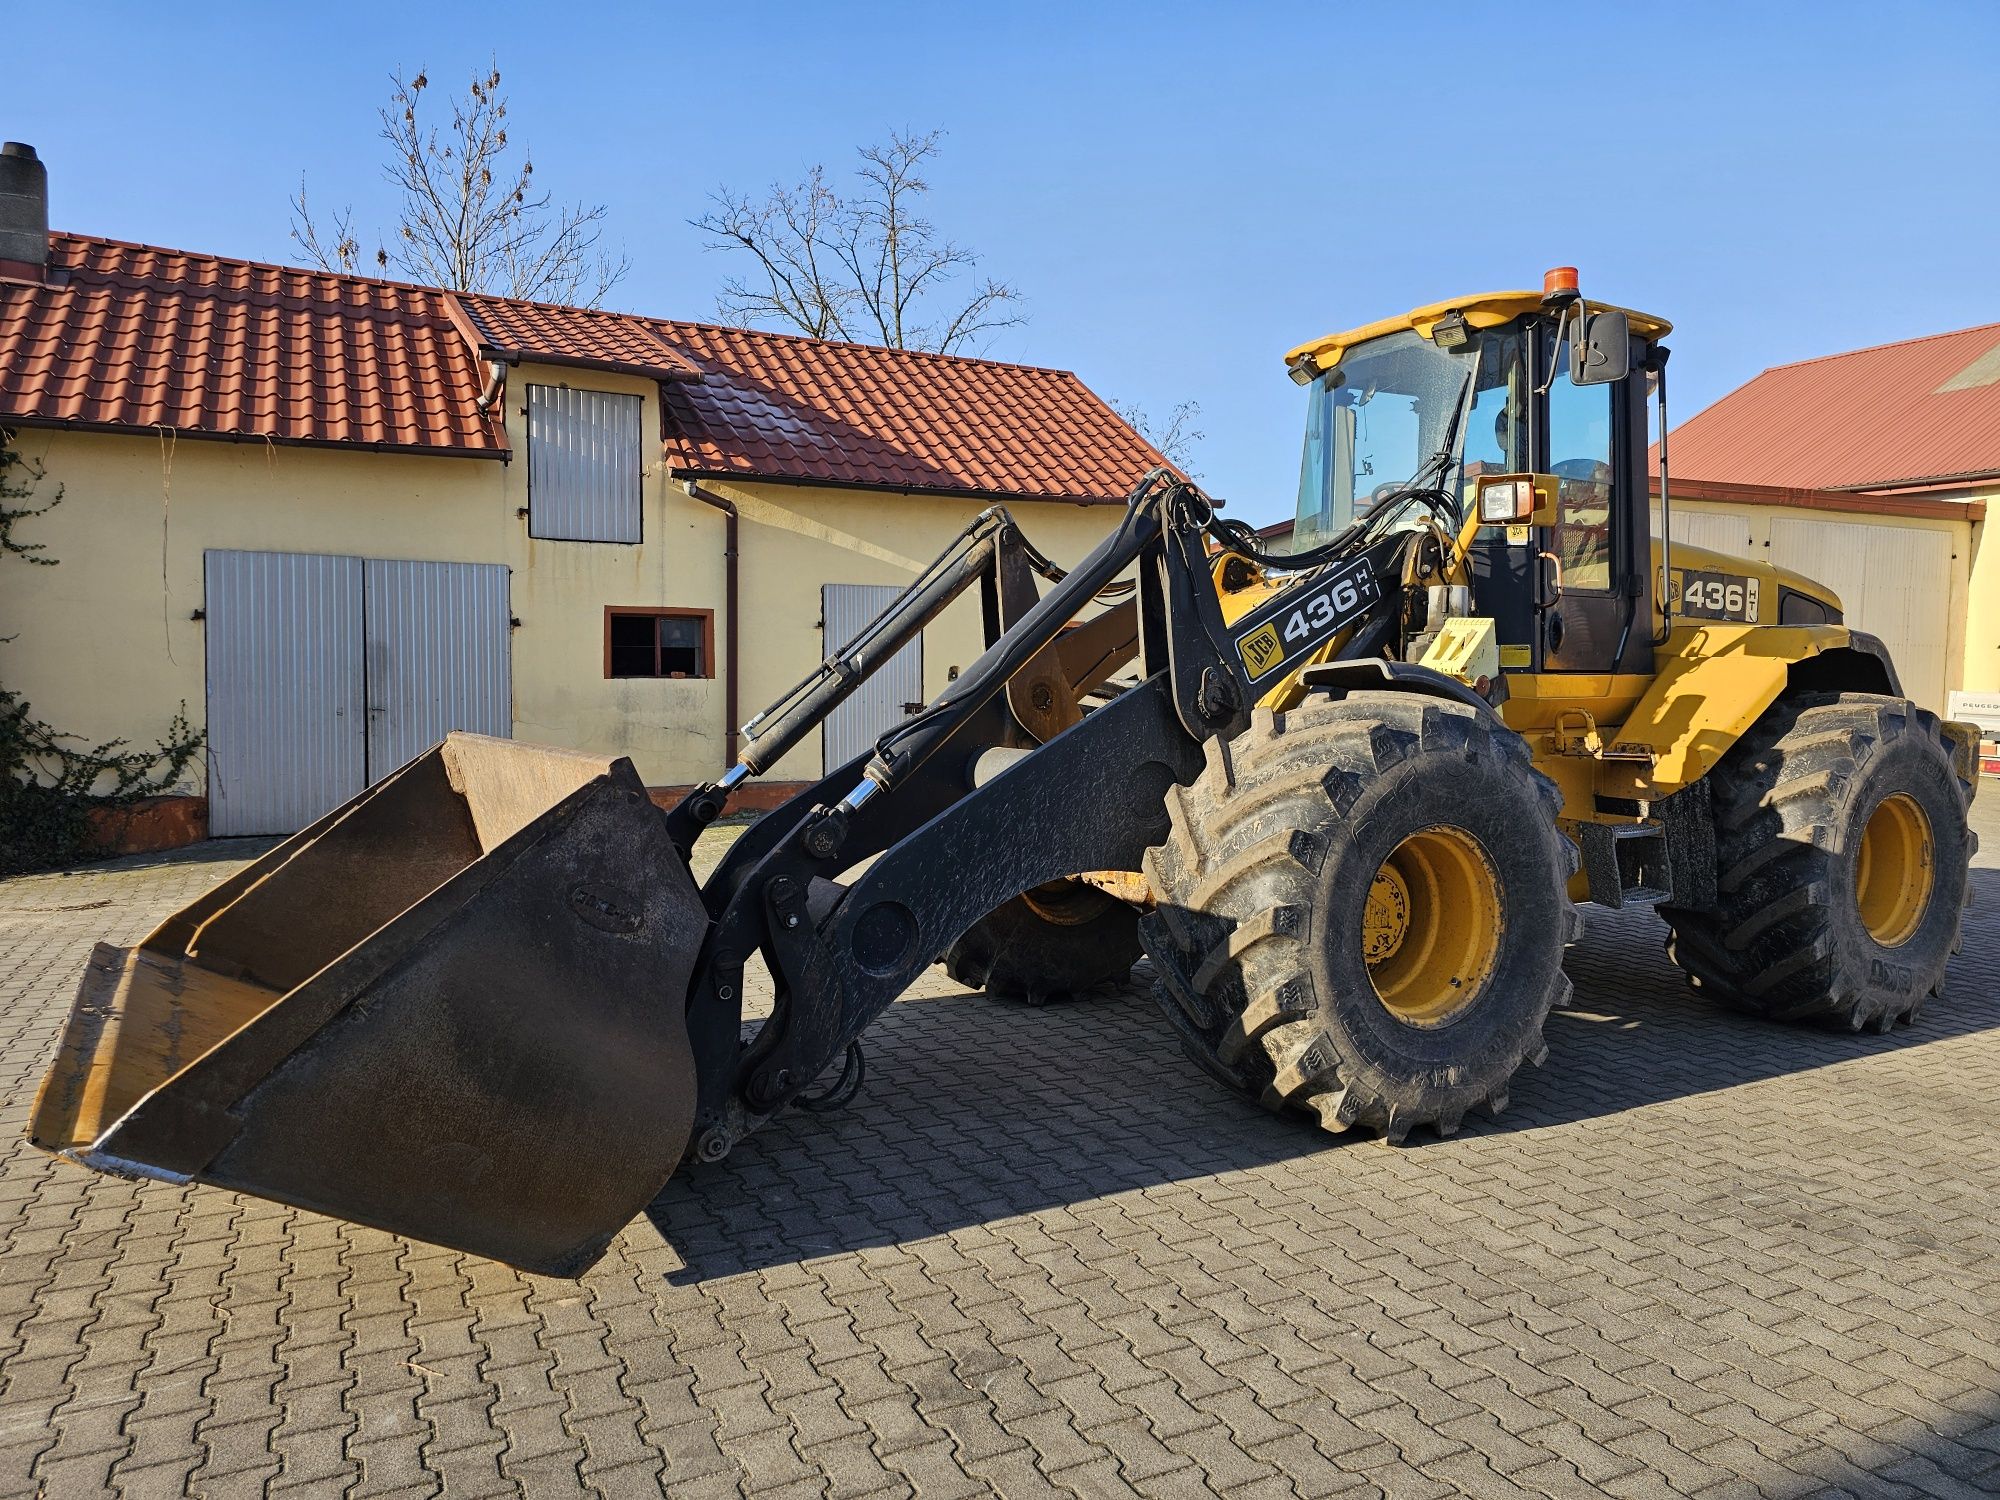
point(438, 639)
point(845, 608)
point(1893, 582)
point(1719, 533)
point(284, 689)
point(584, 465)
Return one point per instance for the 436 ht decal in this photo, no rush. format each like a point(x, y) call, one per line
point(1303, 618)
point(1715, 596)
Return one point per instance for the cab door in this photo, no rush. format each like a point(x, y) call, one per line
point(1499, 440)
point(1591, 573)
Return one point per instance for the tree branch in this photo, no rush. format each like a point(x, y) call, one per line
point(824, 263)
point(466, 218)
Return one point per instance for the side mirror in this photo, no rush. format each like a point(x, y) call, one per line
point(1601, 351)
point(1517, 499)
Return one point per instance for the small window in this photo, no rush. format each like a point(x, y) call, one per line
point(659, 642)
point(584, 463)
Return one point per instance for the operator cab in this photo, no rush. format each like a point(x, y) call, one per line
point(1406, 416)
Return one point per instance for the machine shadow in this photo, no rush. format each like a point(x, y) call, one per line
point(977, 1109)
point(1633, 1034)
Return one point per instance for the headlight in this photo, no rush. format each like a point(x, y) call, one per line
point(1506, 501)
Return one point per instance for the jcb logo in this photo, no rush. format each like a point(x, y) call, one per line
point(1261, 648)
point(1299, 620)
point(605, 907)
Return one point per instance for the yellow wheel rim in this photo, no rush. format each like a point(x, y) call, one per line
point(1430, 932)
point(1895, 870)
point(1065, 903)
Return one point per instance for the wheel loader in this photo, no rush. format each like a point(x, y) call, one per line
point(1348, 796)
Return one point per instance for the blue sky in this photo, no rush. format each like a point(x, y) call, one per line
point(1182, 192)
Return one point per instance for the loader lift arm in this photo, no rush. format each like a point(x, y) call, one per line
point(838, 955)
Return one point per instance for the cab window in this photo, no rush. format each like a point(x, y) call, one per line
point(1580, 458)
point(1496, 429)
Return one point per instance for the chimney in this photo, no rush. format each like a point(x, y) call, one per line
point(24, 211)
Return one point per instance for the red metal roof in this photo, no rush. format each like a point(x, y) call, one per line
point(122, 336)
point(573, 335)
point(1919, 412)
point(779, 406)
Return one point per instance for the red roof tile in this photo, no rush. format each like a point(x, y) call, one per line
point(780, 406)
point(573, 335)
point(1919, 412)
point(122, 336)
point(127, 336)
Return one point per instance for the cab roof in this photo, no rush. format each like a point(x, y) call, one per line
point(1483, 310)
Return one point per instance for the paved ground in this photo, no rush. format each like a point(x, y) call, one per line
point(1043, 1255)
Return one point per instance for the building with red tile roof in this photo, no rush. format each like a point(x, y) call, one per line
point(332, 517)
point(118, 337)
point(1922, 413)
point(1873, 470)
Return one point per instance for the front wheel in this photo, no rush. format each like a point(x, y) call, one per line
point(1362, 911)
point(1055, 942)
point(1841, 856)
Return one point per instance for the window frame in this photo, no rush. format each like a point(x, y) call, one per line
point(662, 612)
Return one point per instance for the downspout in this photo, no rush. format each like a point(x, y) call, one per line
point(729, 655)
point(496, 380)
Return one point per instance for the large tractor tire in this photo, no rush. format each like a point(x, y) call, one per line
point(1055, 942)
point(1841, 854)
point(1362, 911)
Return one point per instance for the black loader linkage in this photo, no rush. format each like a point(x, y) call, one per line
point(947, 795)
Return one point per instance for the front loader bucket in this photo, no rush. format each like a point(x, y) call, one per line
point(452, 1009)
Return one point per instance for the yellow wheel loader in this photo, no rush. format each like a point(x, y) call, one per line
point(1349, 800)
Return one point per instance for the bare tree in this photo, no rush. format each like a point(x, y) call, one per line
point(868, 267)
point(1175, 437)
point(468, 219)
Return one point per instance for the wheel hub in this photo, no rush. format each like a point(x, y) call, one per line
point(1386, 920)
point(1895, 870)
point(1430, 931)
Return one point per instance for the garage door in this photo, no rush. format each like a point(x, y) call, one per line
point(436, 639)
point(286, 705)
point(884, 699)
point(1719, 533)
point(327, 673)
point(1892, 581)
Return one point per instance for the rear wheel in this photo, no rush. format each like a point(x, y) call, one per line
point(1841, 855)
point(1363, 911)
point(1055, 942)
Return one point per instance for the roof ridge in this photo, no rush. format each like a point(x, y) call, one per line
point(254, 265)
point(563, 307)
point(889, 349)
point(1922, 338)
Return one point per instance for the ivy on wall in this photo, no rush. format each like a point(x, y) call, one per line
point(50, 782)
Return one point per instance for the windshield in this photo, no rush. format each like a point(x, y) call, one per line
point(1391, 414)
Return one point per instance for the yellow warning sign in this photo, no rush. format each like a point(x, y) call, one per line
point(1261, 649)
